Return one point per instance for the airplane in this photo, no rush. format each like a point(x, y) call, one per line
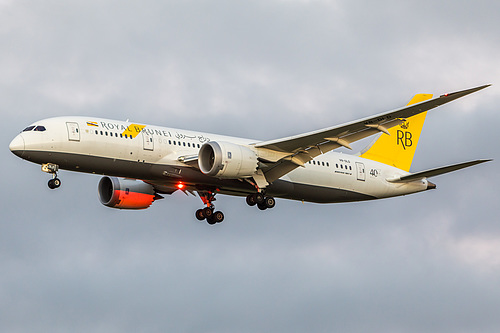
point(140, 163)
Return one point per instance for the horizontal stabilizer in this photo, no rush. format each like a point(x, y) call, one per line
point(435, 172)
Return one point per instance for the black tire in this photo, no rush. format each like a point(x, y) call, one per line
point(270, 202)
point(262, 206)
point(200, 215)
point(251, 200)
point(208, 212)
point(259, 198)
point(51, 184)
point(211, 220)
point(218, 217)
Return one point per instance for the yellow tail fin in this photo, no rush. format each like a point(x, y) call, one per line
point(398, 148)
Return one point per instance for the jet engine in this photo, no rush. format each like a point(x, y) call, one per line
point(125, 193)
point(227, 160)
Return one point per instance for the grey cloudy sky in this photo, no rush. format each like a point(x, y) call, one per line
point(260, 69)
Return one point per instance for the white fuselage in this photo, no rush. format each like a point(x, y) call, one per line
point(156, 154)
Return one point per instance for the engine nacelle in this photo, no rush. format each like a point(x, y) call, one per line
point(227, 160)
point(125, 193)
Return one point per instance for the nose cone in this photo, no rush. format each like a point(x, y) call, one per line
point(17, 145)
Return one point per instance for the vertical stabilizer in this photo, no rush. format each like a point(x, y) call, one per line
point(398, 148)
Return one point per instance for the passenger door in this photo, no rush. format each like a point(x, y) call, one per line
point(73, 131)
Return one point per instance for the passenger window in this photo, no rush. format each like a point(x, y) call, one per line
point(323, 163)
point(126, 137)
point(327, 164)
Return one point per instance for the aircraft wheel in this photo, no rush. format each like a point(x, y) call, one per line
point(54, 183)
point(211, 220)
point(270, 202)
point(262, 206)
point(251, 200)
point(218, 217)
point(259, 198)
point(208, 212)
point(200, 215)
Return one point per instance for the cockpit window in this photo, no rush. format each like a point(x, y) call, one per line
point(34, 128)
point(29, 128)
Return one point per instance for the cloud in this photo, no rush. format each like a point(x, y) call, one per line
point(260, 69)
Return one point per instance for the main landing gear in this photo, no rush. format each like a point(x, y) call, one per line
point(208, 213)
point(52, 169)
point(261, 201)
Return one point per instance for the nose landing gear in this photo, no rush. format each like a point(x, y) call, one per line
point(52, 169)
point(209, 212)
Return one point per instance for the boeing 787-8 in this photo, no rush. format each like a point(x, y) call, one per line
point(141, 162)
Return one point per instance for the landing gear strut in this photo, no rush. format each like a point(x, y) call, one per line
point(52, 169)
point(261, 201)
point(208, 213)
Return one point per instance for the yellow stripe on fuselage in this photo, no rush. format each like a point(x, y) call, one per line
point(398, 148)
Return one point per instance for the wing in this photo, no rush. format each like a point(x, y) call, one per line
point(281, 156)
